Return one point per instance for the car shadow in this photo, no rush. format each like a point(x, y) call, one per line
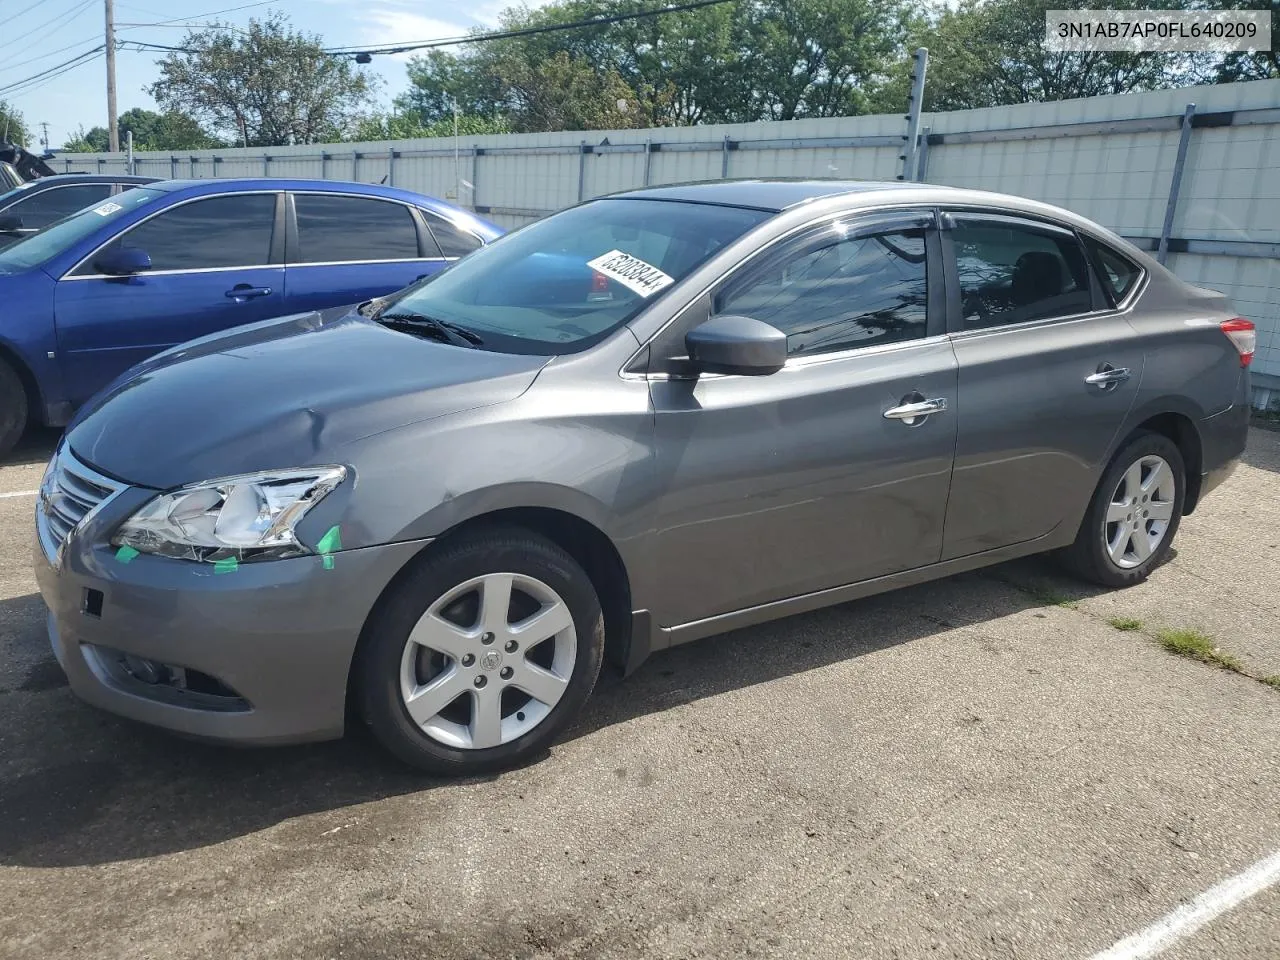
point(81, 787)
point(36, 446)
point(1263, 449)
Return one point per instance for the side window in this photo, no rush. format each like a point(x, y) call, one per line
point(230, 231)
point(335, 229)
point(47, 206)
point(453, 241)
point(1118, 273)
point(838, 293)
point(1010, 273)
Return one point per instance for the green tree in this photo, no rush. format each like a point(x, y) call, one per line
point(402, 126)
point(12, 127)
point(1258, 65)
point(992, 53)
point(151, 131)
point(265, 86)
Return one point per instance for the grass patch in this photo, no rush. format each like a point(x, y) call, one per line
point(1050, 598)
point(1272, 681)
point(1198, 646)
point(1126, 624)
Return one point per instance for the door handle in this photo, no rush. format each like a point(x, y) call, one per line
point(242, 292)
point(1107, 376)
point(909, 413)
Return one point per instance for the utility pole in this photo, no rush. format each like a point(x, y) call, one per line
point(919, 65)
point(44, 140)
point(113, 129)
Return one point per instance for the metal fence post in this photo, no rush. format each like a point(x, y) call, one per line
point(391, 167)
point(648, 158)
point(582, 171)
point(173, 167)
point(922, 156)
point(355, 165)
point(324, 165)
point(476, 153)
point(1175, 184)
point(266, 164)
point(724, 158)
point(914, 105)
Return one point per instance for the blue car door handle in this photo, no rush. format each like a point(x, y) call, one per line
point(242, 292)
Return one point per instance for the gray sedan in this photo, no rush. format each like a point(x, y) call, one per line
point(649, 418)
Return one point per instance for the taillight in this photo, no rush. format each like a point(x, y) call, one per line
point(1243, 336)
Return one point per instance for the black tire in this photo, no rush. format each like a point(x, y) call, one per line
point(13, 409)
point(1089, 557)
point(382, 646)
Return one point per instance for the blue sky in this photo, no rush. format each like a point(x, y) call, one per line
point(38, 34)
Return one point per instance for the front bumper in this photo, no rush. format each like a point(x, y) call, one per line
point(270, 643)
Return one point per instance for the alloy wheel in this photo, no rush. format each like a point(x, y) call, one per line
point(488, 661)
point(1139, 512)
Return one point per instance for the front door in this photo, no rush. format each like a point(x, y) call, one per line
point(214, 266)
point(1048, 373)
point(814, 476)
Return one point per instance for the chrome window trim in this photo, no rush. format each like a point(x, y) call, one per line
point(174, 273)
point(181, 203)
point(888, 208)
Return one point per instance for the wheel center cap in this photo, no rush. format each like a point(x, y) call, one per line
point(492, 660)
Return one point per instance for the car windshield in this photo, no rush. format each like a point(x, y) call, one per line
point(57, 237)
point(562, 284)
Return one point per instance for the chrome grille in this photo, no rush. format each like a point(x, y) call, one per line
point(69, 493)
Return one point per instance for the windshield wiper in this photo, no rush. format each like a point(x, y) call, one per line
point(418, 322)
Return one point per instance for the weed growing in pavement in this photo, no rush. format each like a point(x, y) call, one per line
point(1125, 623)
point(1046, 596)
point(1198, 646)
point(1272, 681)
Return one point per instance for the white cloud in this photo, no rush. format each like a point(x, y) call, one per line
point(390, 22)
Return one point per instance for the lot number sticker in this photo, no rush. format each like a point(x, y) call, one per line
point(632, 272)
point(107, 209)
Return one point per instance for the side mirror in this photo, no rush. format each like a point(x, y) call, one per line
point(122, 261)
point(10, 224)
point(737, 345)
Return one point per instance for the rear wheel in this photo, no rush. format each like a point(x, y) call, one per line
point(13, 408)
point(1134, 515)
point(482, 655)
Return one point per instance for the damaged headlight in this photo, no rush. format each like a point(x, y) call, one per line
point(236, 518)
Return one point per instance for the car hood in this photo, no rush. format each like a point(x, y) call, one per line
point(282, 393)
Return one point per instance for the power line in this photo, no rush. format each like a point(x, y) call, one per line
point(62, 19)
point(66, 66)
point(199, 16)
point(529, 31)
point(47, 54)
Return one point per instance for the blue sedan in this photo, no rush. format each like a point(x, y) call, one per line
point(95, 293)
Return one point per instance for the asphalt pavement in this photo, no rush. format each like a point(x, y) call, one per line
point(980, 767)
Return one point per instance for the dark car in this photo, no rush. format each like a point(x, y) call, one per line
point(646, 419)
point(31, 207)
point(121, 280)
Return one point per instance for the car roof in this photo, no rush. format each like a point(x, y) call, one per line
point(774, 195)
point(44, 183)
point(233, 184)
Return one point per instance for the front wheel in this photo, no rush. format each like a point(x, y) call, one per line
point(1135, 512)
point(482, 654)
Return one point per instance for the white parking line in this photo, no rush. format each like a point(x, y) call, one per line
point(19, 493)
point(1190, 917)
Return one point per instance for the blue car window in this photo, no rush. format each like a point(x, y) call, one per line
point(230, 231)
point(44, 207)
point(41, 247)
point(337, 229)
point(453, 241)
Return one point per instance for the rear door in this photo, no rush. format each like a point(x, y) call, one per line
point(344, 249)
point(811, 477)
point(215, 264)
point(1048, 372)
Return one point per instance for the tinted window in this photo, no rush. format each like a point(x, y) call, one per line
point(41, 247)
point(1011, 273)
point(353, 228)
point(837, 293)
point(219, 232)
point(453, 241)
point(43, 208)
point(1118, 273)
point(567, 281)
